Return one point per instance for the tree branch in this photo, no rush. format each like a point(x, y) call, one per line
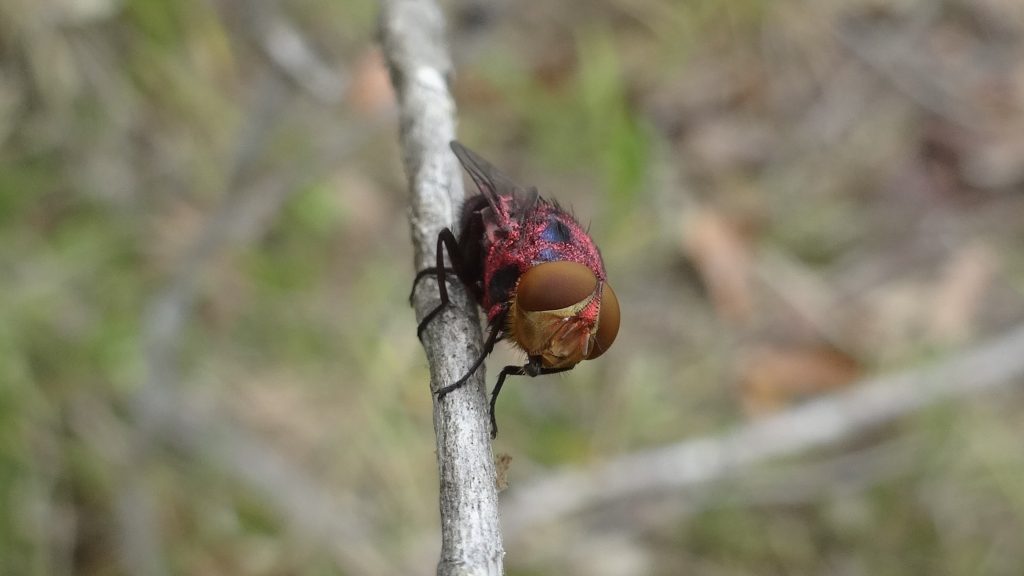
point(828, 421)
point(412, 33)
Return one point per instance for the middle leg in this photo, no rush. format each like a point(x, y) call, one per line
point(445, 241)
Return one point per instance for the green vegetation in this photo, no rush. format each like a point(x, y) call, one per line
point(772, 199)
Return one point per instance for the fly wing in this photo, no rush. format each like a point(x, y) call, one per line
point(494, 185)
point(527, 201)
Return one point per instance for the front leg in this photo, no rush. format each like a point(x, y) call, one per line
point(531, 369)
point(423, 274)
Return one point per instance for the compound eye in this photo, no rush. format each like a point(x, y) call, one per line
point(555, 285)
point(608, 322)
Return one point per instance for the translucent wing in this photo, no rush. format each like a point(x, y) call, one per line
point(506, 198)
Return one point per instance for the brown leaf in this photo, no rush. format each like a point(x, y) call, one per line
point(773, 377)
point(722, 258)
point(960, 292)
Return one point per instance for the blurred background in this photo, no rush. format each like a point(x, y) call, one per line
point(208, 364)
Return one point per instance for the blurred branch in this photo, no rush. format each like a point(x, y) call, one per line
point(893, 60)
point(412, 34)
point(827, 421)
point(806, 482)
point(796, 484)
point(336, 524)
point(162, 331)
point(285, 47)
point(191, 425)
point(809, 295)
point(163, 412)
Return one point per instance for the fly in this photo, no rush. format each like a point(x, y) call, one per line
point(534, 270)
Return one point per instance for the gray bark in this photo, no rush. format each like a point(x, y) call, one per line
point(412, 33)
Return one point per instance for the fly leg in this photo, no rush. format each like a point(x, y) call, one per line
point(445, 241)
point(531, 369)
point(492, 338)
point(423, 274)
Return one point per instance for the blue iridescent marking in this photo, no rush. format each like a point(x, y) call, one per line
point(556, 231)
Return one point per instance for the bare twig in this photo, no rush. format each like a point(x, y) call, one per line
point(796, 484)
point(827, 421)
point(412, 33)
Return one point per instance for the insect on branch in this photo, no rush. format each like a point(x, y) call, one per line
point(412, 33)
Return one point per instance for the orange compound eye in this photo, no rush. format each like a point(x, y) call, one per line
point(608, 322)
point(556, 285)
